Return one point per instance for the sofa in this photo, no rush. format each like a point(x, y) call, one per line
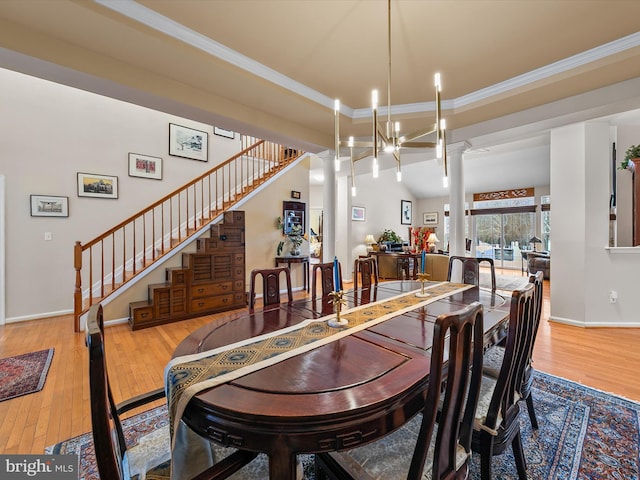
point(539, 262)
point(436, 265)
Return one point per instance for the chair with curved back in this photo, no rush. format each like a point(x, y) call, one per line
point(494, 356)
point(327, 278)
point(270, 287)
point(151, 456)
point(367, 269)
point(471, 270)
point(421, 447)
point(497, 424)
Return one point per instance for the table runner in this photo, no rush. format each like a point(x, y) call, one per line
point(188, 375)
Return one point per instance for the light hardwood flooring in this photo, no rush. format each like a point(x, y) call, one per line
point(604, 358)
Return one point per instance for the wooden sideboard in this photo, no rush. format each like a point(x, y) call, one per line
point(211, 279)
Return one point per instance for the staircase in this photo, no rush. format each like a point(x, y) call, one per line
point(115, 258)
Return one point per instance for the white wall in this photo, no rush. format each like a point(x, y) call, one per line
point(51, 132)
point(585, 270)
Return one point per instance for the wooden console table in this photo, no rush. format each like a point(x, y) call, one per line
point(303, 259)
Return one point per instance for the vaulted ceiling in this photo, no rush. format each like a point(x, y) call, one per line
point(271, 68)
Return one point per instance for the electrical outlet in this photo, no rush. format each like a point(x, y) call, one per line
point(613, 296)
point(48, 236)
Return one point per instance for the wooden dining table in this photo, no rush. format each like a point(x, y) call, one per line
point(344, 393)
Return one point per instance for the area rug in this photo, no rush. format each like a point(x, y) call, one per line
point(584, 434)
point(24, 374)
point(504, 282)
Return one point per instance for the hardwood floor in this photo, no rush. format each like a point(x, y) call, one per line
point(603, 358)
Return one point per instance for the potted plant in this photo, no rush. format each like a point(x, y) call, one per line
point(388, 236)
point(632, 152)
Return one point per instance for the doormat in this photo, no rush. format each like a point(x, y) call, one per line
point(24, 374)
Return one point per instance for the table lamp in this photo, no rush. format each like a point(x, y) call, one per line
point(431, 241)
point(369, 240)
point(535, 240)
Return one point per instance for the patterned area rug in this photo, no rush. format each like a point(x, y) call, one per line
point(584, 434)
point(504, 282)
point(24, 374)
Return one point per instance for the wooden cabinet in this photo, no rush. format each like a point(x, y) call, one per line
point(211, 279)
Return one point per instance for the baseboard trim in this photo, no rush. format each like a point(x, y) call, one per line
point(575, 323)
point(38, 316)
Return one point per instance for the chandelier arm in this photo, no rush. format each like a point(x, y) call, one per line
point(419, 145)
point(358, 144)
point(409, 137)
point(361, 155)
point(383, 136)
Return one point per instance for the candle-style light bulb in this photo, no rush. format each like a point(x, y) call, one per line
point(445, 182)
point(436, 79)
point(374, 99)
point(375, 167)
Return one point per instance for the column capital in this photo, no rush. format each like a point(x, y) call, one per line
point(458, 148)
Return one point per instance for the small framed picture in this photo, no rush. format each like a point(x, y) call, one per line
point(358, 214)
point(188, 143)
point(224, 133)
point(405, 212)
point(430, 218)
point(295, 194)
point(145, 166)
point(97, 186)
point(49, 206)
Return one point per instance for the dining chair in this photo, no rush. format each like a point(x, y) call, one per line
point(497, 425)
point(151, 455)
point(494, 356)
point(270, 286)
point(366, 268)
point(421, 447)
point(327, 278)
point(471, 270)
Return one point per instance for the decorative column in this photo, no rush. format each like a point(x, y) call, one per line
point(456, 198)
point(328, 210)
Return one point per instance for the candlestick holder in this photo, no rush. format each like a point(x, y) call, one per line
point(422, 277)
point(337, 298)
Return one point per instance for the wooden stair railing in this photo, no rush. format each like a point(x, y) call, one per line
point(112, 259)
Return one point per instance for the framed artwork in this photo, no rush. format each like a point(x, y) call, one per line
point(430, 218)
point(357, 214)
point(405, 212)
point(224, 133)
point(145, 166)
point(295, 194)
point(49, 206)
point(188, 143)
point(97, 186)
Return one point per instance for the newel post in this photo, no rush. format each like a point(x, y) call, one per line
point(77, 292)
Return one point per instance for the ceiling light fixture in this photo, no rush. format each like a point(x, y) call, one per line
point(389, 139)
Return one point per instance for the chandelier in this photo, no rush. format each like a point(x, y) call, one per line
point(387, 138)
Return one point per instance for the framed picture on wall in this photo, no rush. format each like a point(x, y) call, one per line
point(97, 186)
point(430, 218)
point(224, 133)
point(405, 212)
point(145, 166)
point(357, 214)
point(49, 206)
point(188, 143)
